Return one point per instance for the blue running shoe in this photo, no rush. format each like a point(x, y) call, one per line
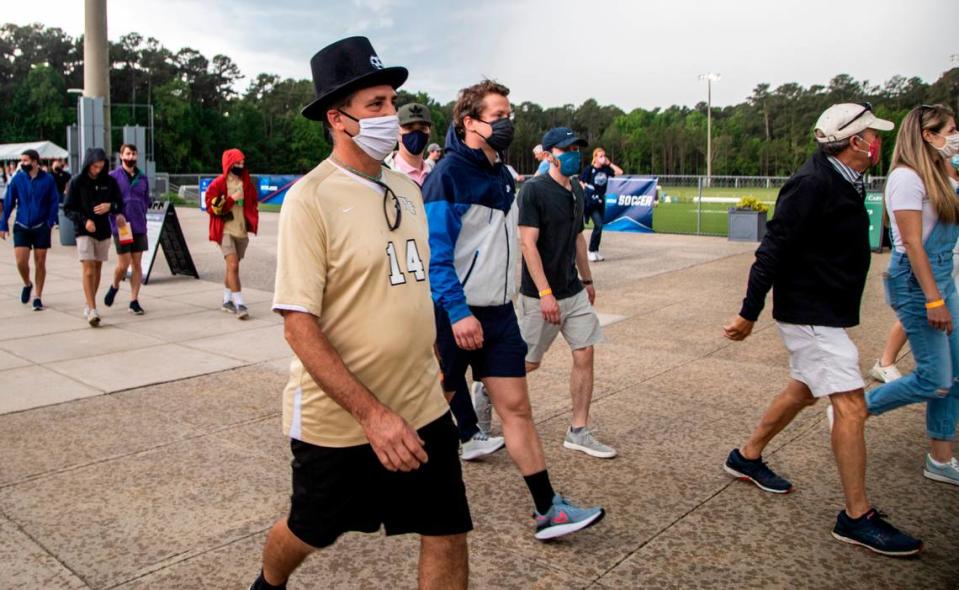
point(37, 304)
point(25, 294)
point(756, 471)
point(945, 473)
point(873, 532)
point(564, 518)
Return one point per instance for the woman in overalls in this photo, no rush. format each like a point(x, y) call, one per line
point(924, 214)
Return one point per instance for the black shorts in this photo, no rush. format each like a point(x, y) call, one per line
point(337, 490)
point(35, 238)
point(139, 244)
point(503, 353)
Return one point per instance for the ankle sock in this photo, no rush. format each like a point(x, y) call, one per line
point(238, 299)
point(937, 463)
point(576, 429)
point(227, 295)
point(541, 490)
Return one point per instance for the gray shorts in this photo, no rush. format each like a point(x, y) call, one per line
point(578, 323)
point(234, 245)
point(89, 248)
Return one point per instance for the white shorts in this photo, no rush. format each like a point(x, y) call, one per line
point(823, 358)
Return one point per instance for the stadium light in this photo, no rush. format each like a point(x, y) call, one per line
point(709, 78)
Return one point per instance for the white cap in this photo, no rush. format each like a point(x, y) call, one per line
point(841, 121)
point(538, 148)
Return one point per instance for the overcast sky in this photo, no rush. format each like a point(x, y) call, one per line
point(641, 53)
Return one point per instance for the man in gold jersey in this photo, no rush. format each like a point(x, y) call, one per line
point(372, 438)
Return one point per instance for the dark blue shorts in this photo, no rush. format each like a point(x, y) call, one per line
point(503, 353)
point(36, 238)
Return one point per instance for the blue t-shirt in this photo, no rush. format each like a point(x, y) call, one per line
point(543, 167)
point(596, 181)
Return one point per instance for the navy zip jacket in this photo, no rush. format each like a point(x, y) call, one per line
point(36, 199)
point(474, 237)
point(816, 253)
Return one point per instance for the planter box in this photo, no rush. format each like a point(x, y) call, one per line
point(746, 225)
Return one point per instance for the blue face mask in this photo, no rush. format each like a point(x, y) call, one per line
point(569, 163)
point(415, 141)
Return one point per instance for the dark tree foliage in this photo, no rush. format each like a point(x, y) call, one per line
point(199, 113)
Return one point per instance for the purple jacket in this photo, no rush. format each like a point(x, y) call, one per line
point(136, 199)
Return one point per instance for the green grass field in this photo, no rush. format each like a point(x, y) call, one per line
point(680, 217)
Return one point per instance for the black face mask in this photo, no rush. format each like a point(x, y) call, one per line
point(26, 167)
point(130, 163)
point(237, 170)
point(502, 134)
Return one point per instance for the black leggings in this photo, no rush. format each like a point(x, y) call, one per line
point(597, 216)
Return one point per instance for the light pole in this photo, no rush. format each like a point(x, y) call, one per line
point(709, 78)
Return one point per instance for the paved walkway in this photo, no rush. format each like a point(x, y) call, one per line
point(173, 478)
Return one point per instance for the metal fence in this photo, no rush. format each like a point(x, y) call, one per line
point(187, 186)
point(689, 204)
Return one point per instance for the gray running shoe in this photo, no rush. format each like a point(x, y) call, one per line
point(228, 307)
point(585, 441)
point(483, 407)
point(241, 312)
point(481, 445)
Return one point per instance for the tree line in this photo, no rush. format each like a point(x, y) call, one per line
point(199, 112)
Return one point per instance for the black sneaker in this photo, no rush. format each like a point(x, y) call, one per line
point(756, 471)
point(228, 307)
point(110, 296)
point(37, 304)
point(135, 308)
point(873, 532)
point(25, 294)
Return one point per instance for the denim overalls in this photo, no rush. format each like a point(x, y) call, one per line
point(936, 378)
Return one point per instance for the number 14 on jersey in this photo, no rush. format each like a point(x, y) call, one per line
point(414, 263)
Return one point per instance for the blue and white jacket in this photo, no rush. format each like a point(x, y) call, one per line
point(474, 246)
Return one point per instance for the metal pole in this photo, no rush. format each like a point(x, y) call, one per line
point(709, 131)
point(96, 61)
point(699, 209)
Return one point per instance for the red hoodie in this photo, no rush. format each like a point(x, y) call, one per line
point(251, 210)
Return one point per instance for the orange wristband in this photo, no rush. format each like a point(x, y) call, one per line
point(935, 304)
point(545, 292)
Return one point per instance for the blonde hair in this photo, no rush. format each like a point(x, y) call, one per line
point(596, 152)
point(914, 152)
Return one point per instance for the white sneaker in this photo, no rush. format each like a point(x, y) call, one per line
point(599, 257)
point(483, 407)
point(884, 374)
point(481, 445)
point(92, 317)
point(593, 256)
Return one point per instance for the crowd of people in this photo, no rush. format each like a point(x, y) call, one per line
point(401, 266)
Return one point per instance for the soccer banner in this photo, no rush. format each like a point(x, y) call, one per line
point(271, 187)
point(629, 203)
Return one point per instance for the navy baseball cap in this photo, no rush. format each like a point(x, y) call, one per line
point(562, 138)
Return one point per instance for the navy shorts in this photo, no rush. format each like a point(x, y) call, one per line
point(36, 238)
point(503, 353)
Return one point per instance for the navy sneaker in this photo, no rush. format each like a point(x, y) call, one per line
point(25, 294)
point(135, 308)
point(873, 532)
point(756, 471)
point(37, 304)
point(110, 296)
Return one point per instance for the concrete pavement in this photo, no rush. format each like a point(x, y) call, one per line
point(173, 479)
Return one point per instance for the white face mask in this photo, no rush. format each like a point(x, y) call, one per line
point(951, 147)
point(377, 136)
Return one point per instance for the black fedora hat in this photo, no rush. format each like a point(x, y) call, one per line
point(346, 66)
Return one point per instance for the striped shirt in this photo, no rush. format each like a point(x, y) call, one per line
point(855, 178)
